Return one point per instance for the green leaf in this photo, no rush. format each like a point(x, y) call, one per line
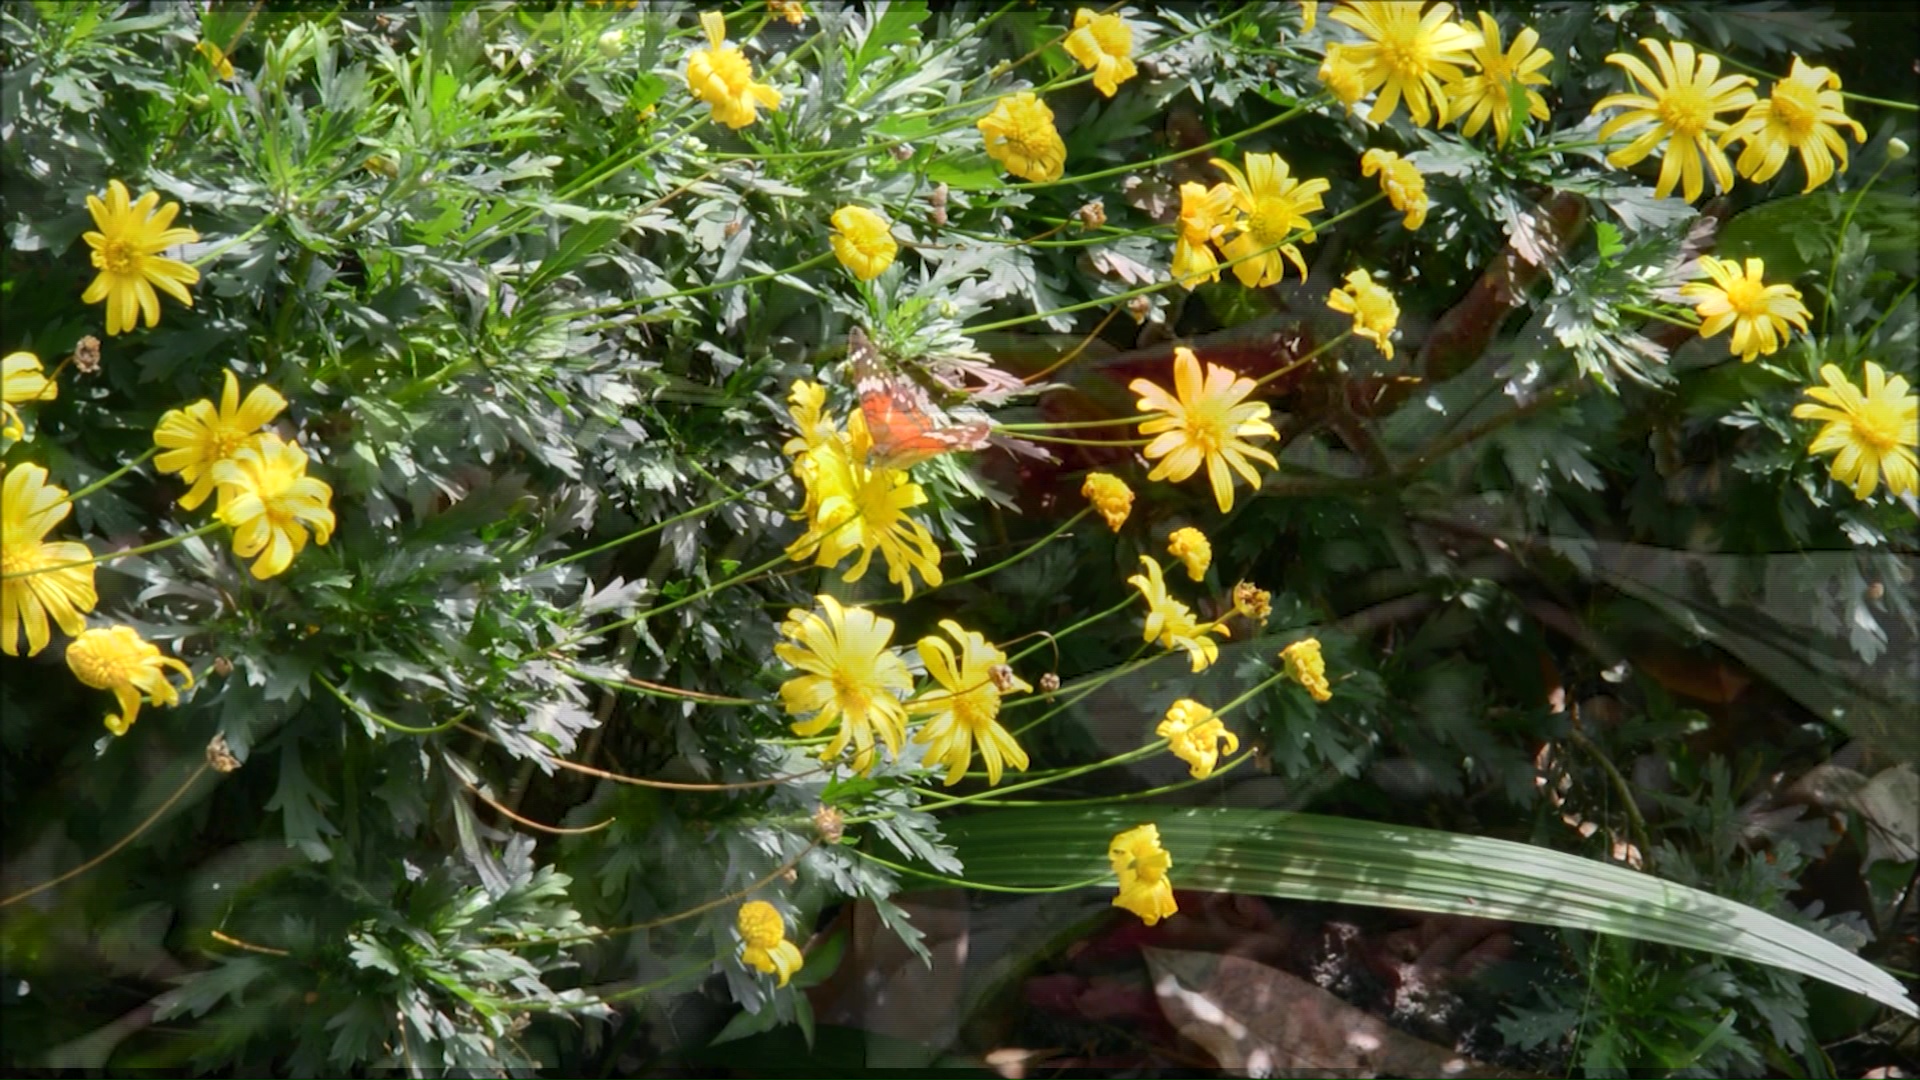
point(1607, 235)
point(1311, 857)
point(894, 24)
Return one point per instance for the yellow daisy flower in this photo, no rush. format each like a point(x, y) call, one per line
point(1477, 97)
point(1141, 864)
point(1403, 185)
point(1103, 44)
point(862, 242)
point(1758, 312)
point(1205, 213)
point(29, 592)
point(270, 502)
point(1171, 622)
point(849, 679)
point(1020, 135)
point(1190, 546)
point(126, 250)
point(1276, 206)
point(853, 505)
point(21, 380)
point(966, 711)
point(1868, 433)
point(1686, 98)
point(1109, 495)
point(721, 76)
point(1374, 311)
point(1207, 421)
point(1408, 53)
point(1342, 75)
point(1307, 667)
point(1803, 114)
point(807, 403)
point(1194, 734)
point(120, 660)
point(764, 933)
point(198, 437)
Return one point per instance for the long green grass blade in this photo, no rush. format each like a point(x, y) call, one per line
point(1311, 857)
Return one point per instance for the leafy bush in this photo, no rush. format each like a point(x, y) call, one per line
point(496, 457)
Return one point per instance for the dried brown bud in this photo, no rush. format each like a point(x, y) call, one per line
point(1002, 677)
point(220, 755)
point(938, 200)
point(1876, 590)
point(733, 228)
point(1254, 603)
point(901, 152)
point(222, 666)
point(829, 824)
point(1139, 307)
point(789, 875)
point(1049, 683)
point(1093, 214)
point(86, 355)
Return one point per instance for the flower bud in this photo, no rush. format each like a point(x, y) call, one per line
point(1896, 149)
point(611, 43)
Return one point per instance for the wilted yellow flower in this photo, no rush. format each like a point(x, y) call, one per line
point(849, 679)
point(216, 59)
point(29, 509)
point(721, 76)
point(198, 437)
point(1477, 97)
point(1869, 433)
point(853, 505)
point(1276, 206)
point(1193, 733)
point(1758, 312)
point(1342, 75)
point(1190, 546)
point(764, 933)
point(1141, 864)
point(1207, 420)
point(966, 709)
point(120, 660)
point(126, 250)
point(1111, 496)
point(1407, 53)
point(1686, 99)
point(1253, 602)
point(1307, 667)
point(1205, 213)
point(1374, 311)
point(1405, 188)
point(1804, 114)
point(270, 502)
point(1103, 44)
point(1171, 622)
point(21, 381)
point(1020, 135)
point(862, 242)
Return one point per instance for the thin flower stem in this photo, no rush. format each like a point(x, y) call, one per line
point(1840, 240)
point(664, 608)
point(1303, 361)
point(233, 243)
point(1065, 440)
point(665, 785)
point(698, 290)
point(552, 830)
point(963, 883)
point(1017, 556)
point(1073, 352)
point(1658, 316)
point(650, 529)
point(653, 689)
point(391, 725)
point(1904, 106)
point(143, 549)
point(112, 476)
point(1875, 328)
point(1223, 140)
point(158, 813)
point(1081, 625)
point(1130, 796)
point(1069, 425)
point(1160, 286)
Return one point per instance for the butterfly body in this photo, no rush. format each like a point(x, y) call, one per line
point(902, 420)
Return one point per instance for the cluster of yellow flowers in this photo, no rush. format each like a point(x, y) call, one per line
point(1422, 57)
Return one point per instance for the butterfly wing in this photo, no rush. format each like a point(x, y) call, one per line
point(905, 426)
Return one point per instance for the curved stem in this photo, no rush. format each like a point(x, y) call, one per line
point(1658, 316)
point(687, 599)
point(650, 529)
point(1303, 361)
point(143, 549)
point(553, 830)
point(1130, 796)
point(1018, 556)
point(390, 725)
point(114, 475)
point(963, 883)
point(1223, 140)
point(157, 814)
point(1840, 241)
point(653, 689)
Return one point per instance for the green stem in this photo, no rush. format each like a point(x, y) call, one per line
point(1065, 440)
point(1131, 796)
point(1658, 316)
point(112, 476)
point(1303, 361)
point(687, 599)
point(1019, 555)
point(650, 529)
point(112, 555)
point(1081, 625)
point(965, 884)
point(656, 690)
point(1840, 241)
point(233, 243)
point(1223, 140)
point(1875, 328)
point(698, 290)
point(1068, 425)
point(390, 725)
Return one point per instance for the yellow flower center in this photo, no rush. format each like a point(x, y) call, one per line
point(1796, 108)
point(1746, 297)
point(761, 926)
point(119, 257)
point(1685, 110)
point(99, 663)
point(1877, 423)
point(1028, 136)
point(731, 67)
point(1268, 222)
point(851, 691)
point(20, 558)
point(1496, 69)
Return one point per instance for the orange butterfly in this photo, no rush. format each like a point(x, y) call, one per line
point(905, 425)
